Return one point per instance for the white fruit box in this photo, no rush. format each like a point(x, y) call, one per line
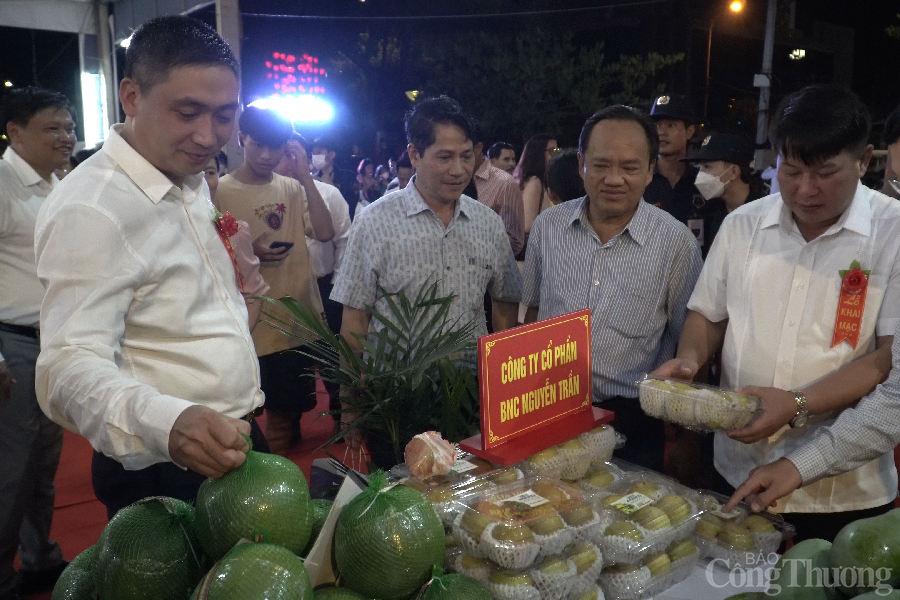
point(657, 572)
point(741, 537)
point(468, 473)
point(643, 514)
point(568, 574)
point(696, 406)
point(572, 459)
point(517, 524)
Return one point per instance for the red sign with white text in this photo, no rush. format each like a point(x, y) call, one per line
point(533, 375)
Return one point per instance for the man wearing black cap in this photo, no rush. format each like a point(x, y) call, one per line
point(724, 181)
point(672, 188)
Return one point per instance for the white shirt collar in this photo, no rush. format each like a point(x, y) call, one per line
point(148, 178)
point(26, 173)
point(857, 217)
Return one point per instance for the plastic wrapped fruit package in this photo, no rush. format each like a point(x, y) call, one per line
point(256, 570)
point(512, 585)
point(655, 573)
point(149, 550)
point(515, 524)
point(594, 592)
point(571, 459)
point(387, 541)
point(695, 405)
point(588, 560)
point(555, 577)
point(739, 536)
point(599, 477)
point(469, 473)
point(642, 514)
point(600, 442)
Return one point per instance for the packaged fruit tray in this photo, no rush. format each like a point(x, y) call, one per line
point(469, 473)
point(696, 405)
point(599, 477)
point(570, 574)
point(643, 514)
point(516, 524)
point(655, 573)
point(739, 536)
point(571, 459)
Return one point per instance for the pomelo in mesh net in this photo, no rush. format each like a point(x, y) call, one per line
point(265, 499)
point(256, 570)
point(333, 593)
point(321, 508)
point(386, 542)
point(453, 586)
point(149, 551)
point(77, 580)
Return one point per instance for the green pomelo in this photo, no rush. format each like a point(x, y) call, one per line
point(265, 499)
point(794, 575)
point(149, 551)
point(452, 587)
point(334, 593)
point(77, 580)
point(866, 546)
point(257, 570)
point(321, 508)
point(387, 542)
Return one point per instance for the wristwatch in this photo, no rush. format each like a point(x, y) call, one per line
point(802, 415)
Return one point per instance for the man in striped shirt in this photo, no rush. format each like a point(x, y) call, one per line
point(631, 263)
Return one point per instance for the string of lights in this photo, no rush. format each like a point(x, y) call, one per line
point(506, 15)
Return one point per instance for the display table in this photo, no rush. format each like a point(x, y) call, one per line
point(715, 582)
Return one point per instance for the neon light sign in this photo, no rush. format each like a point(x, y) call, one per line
point(291, 74)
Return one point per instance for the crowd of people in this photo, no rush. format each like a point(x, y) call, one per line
point(131, 308)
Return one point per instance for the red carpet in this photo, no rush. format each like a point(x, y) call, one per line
point(80, 517)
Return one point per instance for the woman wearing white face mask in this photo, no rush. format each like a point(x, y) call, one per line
point(724, 180)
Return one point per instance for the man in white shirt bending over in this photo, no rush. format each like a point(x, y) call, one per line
point(801, 291)
point(145, 346)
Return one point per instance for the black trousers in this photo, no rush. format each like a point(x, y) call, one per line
point(645, 443)
point(117, 488)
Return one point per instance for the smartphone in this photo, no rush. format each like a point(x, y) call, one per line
point(276, 245)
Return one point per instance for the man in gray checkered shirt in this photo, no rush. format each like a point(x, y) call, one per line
point(634, 265)
point(429, 231)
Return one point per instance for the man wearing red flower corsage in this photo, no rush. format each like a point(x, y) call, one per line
point(801, 291)
point(146, 350)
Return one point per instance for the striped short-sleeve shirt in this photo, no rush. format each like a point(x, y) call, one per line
point(637, 286)
point(398, 243)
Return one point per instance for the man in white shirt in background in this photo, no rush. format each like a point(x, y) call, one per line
point(324, 257)
point(145, 347)
point(41, 136)
point(773, 295)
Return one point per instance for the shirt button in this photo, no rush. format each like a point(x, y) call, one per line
point(799, 286)
point(448, 268)
point(596, 282)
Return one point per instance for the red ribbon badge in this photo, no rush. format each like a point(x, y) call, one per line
point(227, 226)
point(851, 304)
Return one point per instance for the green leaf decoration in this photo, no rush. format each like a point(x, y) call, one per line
point(415, 374)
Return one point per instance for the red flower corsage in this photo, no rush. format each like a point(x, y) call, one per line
point(227, 226)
